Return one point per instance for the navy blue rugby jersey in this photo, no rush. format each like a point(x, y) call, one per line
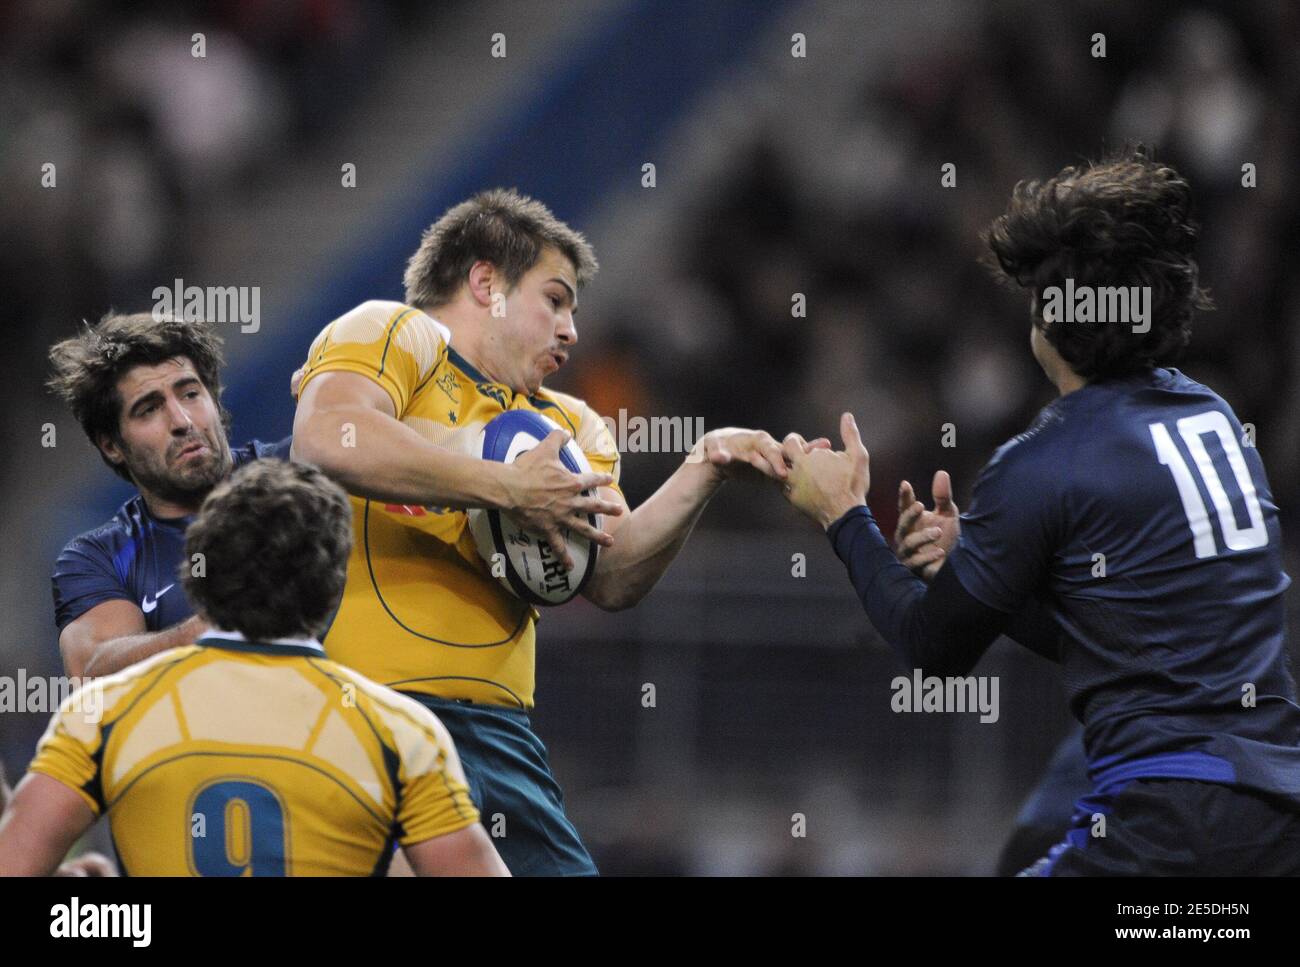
point(1136, 511)
point(135, 557)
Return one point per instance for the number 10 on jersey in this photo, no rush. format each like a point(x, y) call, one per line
point(1193, 429)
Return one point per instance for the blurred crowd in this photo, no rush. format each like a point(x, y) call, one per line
point(144, 149)
point(903, 324)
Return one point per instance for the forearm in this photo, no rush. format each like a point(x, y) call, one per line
point(376, 456)
point(25, 855)
point(648, 541)
point(940, 629)
point(118, 653)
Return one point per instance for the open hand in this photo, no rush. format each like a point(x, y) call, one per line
point(735, 452)
point(924, 538)
point(824, 484)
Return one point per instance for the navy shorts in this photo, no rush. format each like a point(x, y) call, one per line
point(1176, 827)
point(510, 782)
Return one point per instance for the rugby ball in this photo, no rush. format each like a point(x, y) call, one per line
point(523, 563)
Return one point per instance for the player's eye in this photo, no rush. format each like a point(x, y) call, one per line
point(555, 302)
point(192, 394)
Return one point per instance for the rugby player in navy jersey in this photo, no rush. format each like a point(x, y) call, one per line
point(1173, 650)
point(147, 392)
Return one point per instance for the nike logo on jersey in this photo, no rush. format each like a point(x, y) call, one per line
point(151, 600)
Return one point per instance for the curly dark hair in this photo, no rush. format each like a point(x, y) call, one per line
point(274, 539)
point(1122, 221)
point(87, 367)
point(500, 226)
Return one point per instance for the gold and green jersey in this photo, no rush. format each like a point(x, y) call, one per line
point(240, 758)
point(421, 611)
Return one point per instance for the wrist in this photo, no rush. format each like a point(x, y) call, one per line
point(494, 485)
point(836, 511)
point(699, 465)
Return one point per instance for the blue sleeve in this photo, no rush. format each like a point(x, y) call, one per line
point(84, 576)
point(257, 450)
point(1011, 532)
point(939, 628)
point(278, 450)
point(1034, 627)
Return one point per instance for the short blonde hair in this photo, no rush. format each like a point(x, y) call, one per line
point(500, 226)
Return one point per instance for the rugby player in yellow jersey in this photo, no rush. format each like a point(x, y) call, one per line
point(391, 401)
point(250, 753)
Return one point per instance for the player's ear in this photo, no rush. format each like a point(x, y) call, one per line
point(112, 450)
point(483, 280)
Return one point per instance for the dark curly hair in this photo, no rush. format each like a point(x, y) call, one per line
point(275, 538)
point(88, 366)
point(1122, 221)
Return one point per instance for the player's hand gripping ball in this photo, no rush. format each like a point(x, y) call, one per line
point(524, 563)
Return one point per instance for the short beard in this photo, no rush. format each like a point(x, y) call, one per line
point(190, 490)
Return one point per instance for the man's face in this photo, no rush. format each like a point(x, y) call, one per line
point(172, 440)
point(534, 338)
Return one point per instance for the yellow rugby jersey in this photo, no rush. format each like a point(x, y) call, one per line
point(235, 758)
point(421, 611)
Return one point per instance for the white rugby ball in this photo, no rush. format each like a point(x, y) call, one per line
point(523, 563)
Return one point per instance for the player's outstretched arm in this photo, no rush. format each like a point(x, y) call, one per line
point(113, 635)
point(347, 425)
point(42, 822)
point(466, 852)
point(649, 538)
point(941, 629)
point(923, 540)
